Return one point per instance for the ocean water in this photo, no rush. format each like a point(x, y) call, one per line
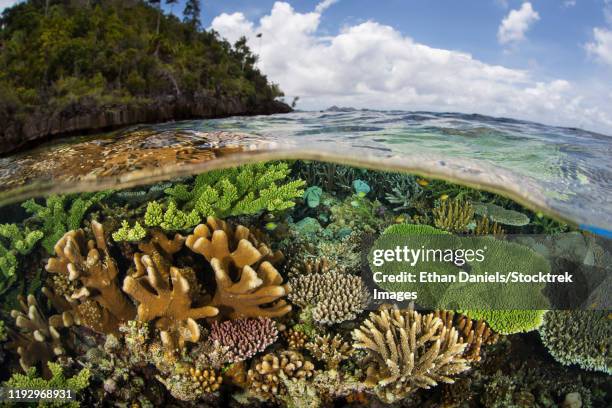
point(562, 172)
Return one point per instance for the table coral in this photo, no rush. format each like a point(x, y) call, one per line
point(407, 351)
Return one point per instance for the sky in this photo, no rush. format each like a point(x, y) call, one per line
point(549, 61)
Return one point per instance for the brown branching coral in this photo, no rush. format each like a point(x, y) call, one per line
point(191, 383)
point(37, 341)
point(330, 350)
point(485, 227)
point(296, 339)
point(473, 333)
point(265, 376)
point(453, 215)
point(168, 302)
point(90, 263)
point(334, 297)
point(244, 337)
point(248, 285)
point(407, 351)
point(311, 266)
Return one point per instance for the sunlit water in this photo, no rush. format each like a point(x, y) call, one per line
point(566, 173)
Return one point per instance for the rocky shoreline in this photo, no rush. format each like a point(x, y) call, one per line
point(87, 116)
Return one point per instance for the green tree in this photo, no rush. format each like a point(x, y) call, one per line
point(191, 14)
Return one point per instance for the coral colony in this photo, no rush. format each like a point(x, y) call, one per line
point(245, 286)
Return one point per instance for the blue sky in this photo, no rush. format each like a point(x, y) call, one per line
point(543, 60)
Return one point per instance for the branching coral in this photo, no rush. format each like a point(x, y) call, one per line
point(248, 189)
point(90, 263)
point(127, 233)
point(190, 383)
point(37, 342)
point(264, 377)
point(296, 339)
point(486, 227)
point(244, 337)
point(167, 300)
point(172, 219)
point(407, 351)
point(15, 243)
point(334, 297)
point(248, 285)
point(61, 214)
point(57, 381)
point(473, 333)
point(453, 215)
point(330, 350)
point(358, 213)
point(579, 337)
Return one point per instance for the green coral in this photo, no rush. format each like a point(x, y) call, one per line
point(244, 190)
point(501, 215)
point(62, 213)
point(490, 301)
point(58, 381)
point(357, 213)
point(312, 195)
point(127, 233)
point(172, 219)
point(14, 242)
point(579, 337)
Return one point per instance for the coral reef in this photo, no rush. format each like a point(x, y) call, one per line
point(474, 334)
point(172, 219)
point(191, 384)
point(407, 351)
point(333, 297)
point(453, 215)
point(579, 337)
point(485, 227)
point(244, 338)
point(501, 215)
point(296, 339)
point(127, 233)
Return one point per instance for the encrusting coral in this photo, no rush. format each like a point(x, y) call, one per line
point(407, 351)
point(167, 300)
point(244, 337)
point(453, 215)
point(264, 377)
point(473, 333)
point(333, 297)
point(90, 264)
point(330, 350)
point(248, 285)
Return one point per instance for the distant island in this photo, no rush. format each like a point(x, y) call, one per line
point(75, 66)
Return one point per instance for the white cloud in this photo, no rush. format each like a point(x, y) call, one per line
point(601, 46)
point(324, 5)
point(513, 28)
point(370, 65)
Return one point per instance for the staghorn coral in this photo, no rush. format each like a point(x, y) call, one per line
point(127, 233)
point(453, 215)
point(473, 333)
point(264, 377)
point(296, 339)
point(38, 341)
point(407, 351)
point(90, 263)
point(244, 337)
point(248, 285)
point(167, 301)
point(172, 219)
point(330, 350)
point(334, 297)
point(579, 337)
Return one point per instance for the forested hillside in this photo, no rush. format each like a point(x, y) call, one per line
point(71, 65)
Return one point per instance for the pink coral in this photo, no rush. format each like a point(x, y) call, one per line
point(244, 337)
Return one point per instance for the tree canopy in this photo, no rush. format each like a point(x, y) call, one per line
point(54, 53)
